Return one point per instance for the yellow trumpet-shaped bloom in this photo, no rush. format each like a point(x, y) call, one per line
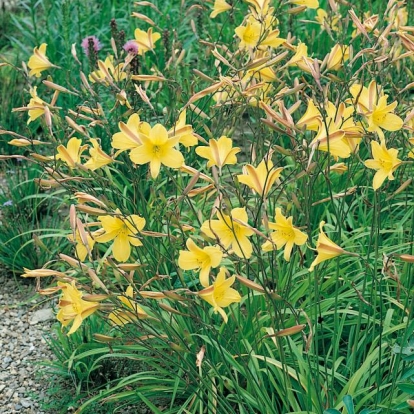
point(365, 98)
point(71, 154)
point(157, 149)
point(146, 40)
point(372, 103)
point(249, 35)
point(108, 70)
point(72, 308)
point(130, 312)
point(311, 117)
point(260, 179)
point(381, 117)
point(338, 55)
point(326, 248)
point(220, 6)
point(337, 133)
point(301, 58)
point(36, 106)
point(385, 162)
point(98, 157)
point(220, 294)
point(38, 62)
point(123, 231)
point(219, 152)
point(273, 39)
point(129, 137)
point(200, 259)
point(285, 234)
point(231, 231)
point(81, 249)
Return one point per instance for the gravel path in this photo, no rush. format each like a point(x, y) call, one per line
point(23, 323)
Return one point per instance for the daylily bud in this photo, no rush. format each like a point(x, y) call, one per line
point(407, 258)
point(290, 331)
point(104, 338)
point(90, 210)
point(250, 284)
point(42, 273)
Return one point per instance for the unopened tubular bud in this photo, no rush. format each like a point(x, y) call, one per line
point(104, 338)
point(90, 210)
point(290, 331)
point(407, 258)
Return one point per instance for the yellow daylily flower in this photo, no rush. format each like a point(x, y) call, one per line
point(273, 40)
point(183, 131)
point(123, 231)
point(338, 55)
point(38, 62)
point(72, 308)
point(338, 134)
point(200, 259)
point(301, 58)
point(311, 117)
point(260, 71)
point(157, 149)
point(372, 103)
point(285, 234)
point(131, 312)
point(326, 248)
point(220, 6)
point(98, 157)
point(381, 117)
point(260, 179)
point(385, 162)
point(230, 232)
point(310, 4)
point(146, 40)
point(220, 294)
point(108, 70)
point(36, 106)
point(72, 152)
point(249, 35)
point(219, 152)
point(129, 137)
point(81, 249)
point(365, 98)
point(401, 17)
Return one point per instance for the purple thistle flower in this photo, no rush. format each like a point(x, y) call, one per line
point(91, 40)
point(131, 47)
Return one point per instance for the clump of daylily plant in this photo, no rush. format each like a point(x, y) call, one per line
point(171, 211)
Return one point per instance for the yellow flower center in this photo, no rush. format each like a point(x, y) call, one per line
point(285, 232)
point(379, 117)
point(250, 36)
point(156, 149)
point(218, 294)
point(76, 308)
point(385, 165)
